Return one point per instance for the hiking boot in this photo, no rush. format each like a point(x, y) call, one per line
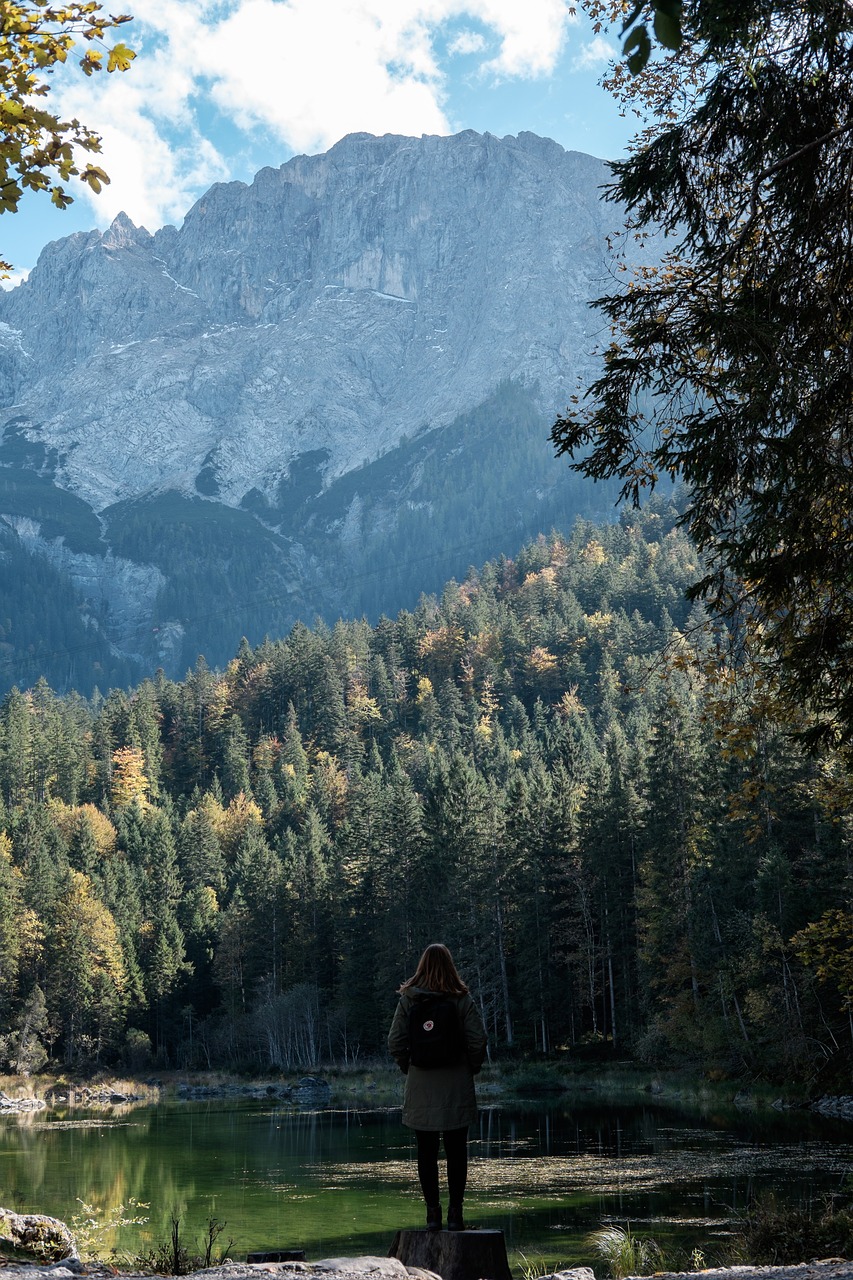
point(433, 1217)
point(455, 1221)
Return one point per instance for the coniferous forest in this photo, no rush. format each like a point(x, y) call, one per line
point(558, 768)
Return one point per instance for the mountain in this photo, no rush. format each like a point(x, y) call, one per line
point(328, 390)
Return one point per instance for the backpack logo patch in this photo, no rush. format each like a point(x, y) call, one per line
point(436, 1038)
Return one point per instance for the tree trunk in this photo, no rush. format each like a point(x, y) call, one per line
point(504, 980)
point(454, 1255)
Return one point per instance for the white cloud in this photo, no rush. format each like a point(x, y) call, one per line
point(467, 42)
point(14, 278)
point(313, 70)
point(597, 53)
point(532, 34)
point(156, 170)
point(304, 71)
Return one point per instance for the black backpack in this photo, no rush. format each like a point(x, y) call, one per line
point(435, 1032)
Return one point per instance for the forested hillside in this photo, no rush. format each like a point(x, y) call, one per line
point(92, 601)
point(623, 847)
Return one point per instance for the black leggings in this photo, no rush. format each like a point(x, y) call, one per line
point(456, 1153)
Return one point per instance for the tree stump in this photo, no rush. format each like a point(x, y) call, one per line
point(454, 1255)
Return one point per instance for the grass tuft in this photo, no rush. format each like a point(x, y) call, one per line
point(626, 1254)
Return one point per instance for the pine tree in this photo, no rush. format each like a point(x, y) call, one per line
point(673, 850)
point(164, 960)
point(85, 982)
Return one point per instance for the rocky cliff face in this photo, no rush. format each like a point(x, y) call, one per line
point(293, 331)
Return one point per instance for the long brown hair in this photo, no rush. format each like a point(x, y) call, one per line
point(436, 972)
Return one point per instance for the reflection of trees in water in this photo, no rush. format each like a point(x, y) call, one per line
point(335, 1180)
point(102, 1161)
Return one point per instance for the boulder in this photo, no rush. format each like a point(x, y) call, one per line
point(573, 1273)
point(311, 1091)
point(20, 1104)
point(838, 1108)
point(35, 1237)
point(367, 1268)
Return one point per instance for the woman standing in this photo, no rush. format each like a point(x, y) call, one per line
point(437, 1038)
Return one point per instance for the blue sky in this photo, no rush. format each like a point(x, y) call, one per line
point(221, 88)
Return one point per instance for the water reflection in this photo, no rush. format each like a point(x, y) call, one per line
point(342, 1181)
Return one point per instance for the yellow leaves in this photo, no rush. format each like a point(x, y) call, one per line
point(541, 660)
point(91, 61)
point(559, 552)
point(544, 581)
point(31, 934)
point(266, 753)
point(487, 644)
point(83, 918)
point(362, 708)
point(826, 946)
point(598, 622)
point(570, 704)
point(329, 784)
point(10, 194)
point(218, 704)
point(212, 811)
point(241, 816)
point(37, 145)
point(443, 645)
point(594, 553)
point(120, 58)
point(130, 785)
point(484, 729)
point(425, 690)
point(488, 698)
point(66, 817)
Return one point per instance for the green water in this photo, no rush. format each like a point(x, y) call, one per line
point(338, 1182)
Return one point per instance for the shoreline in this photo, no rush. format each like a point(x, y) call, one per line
point(376, 1268)
point(379, 1086)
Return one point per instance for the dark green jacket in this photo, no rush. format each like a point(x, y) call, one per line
point(442, 1097)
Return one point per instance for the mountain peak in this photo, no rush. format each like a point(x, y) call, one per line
point(352, 359)
point(328, 307)
point(122, 233)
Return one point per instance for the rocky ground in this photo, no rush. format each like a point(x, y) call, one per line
point(391, 1269)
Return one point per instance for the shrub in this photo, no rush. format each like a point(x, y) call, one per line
point(773, 1233)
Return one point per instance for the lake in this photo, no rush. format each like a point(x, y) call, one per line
point(338, 1182)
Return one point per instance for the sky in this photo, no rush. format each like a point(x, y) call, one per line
point(221, 88)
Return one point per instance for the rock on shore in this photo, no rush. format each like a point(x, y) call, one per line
point(308, 1091)
point(35, 1236)
point(21, 1104)
point(839, 1108)
point(372, 1268)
